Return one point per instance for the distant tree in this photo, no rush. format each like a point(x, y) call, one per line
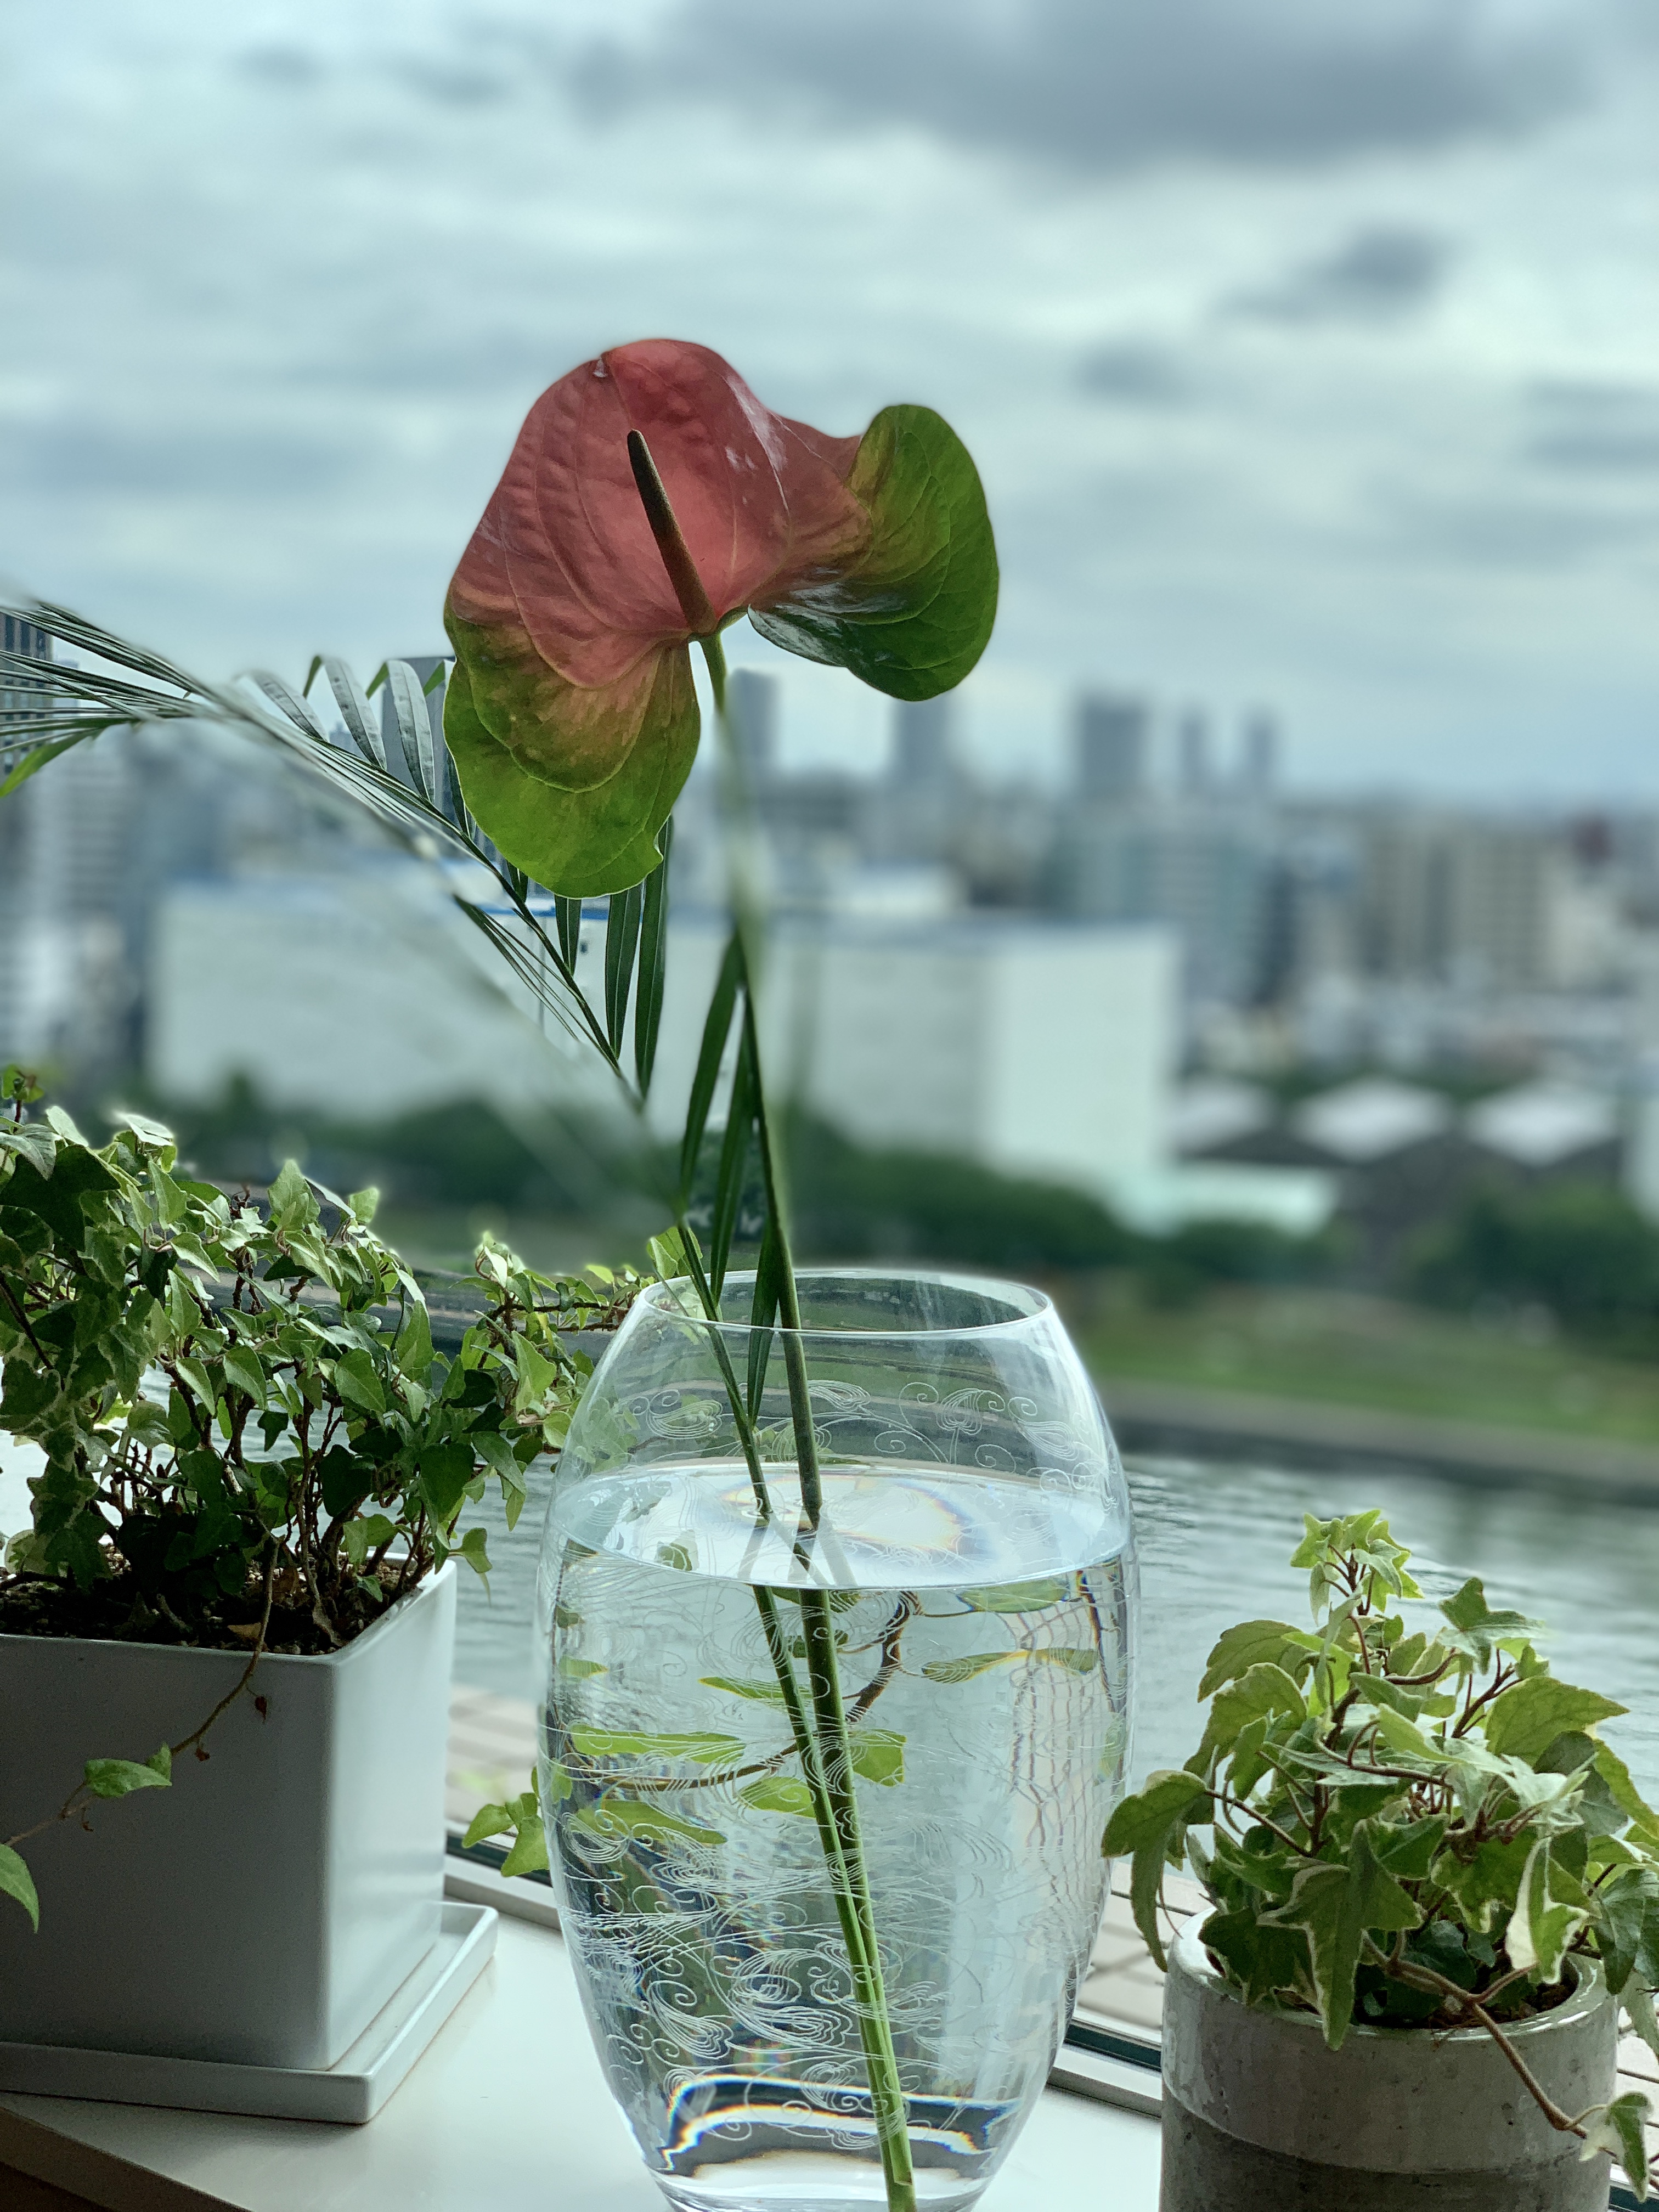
point(1580, 1249)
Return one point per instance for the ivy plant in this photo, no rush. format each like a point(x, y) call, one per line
point(1408, 1825)
point(250, 1439)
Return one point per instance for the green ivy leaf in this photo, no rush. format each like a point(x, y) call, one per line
point(1544, 1922)
point(119, 1777)
point(1525, 1721)
point(1626, 1912)
point(34, 1142)
point(1337, 1906)
point(446, 1470)
point(529, 1851)
point(1477, 1630)
point(613, 1820)
point(708, 1750)
point(972, 1663)
point(878, 1756)
point(489, 1821)
point(1146, 1826)
point(1263, 1690)
point(780, 1793)
point(474, 1549)
point(1261, 1961)
point(15, 1880)
point(358, 1381)
point(1250, 1644)
point(1015, 1597)
point(360, 1537)
point(763, 1693)
point(293, 1209)
point(1620, 2128)
point(243, 1372)
point(413, 1349)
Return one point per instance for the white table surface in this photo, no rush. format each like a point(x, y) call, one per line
point(508, 2109)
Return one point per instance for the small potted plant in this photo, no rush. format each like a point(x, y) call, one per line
point(255, 1468)
point(1432, 1891)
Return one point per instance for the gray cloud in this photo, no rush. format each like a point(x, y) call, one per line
point(78, 458)
point(1110, 84)
point(1594, 429)
point(1513, 531)
point(290, 67)
point(1381, 274)
point(1133, 372)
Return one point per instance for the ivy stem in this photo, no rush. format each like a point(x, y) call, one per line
point(1424, 1977)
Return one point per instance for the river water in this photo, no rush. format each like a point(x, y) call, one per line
point(1214, 1539)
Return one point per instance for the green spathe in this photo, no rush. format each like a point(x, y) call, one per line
point(913, 616)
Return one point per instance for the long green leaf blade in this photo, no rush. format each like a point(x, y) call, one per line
point(622, 941)
point(734, 1159)
point(653, 964)
point(567, 921)
point(716, 1031)
point(414, 722)
point(289, 703)
point(763, 1313)
point(33, 761)
point(363, 725)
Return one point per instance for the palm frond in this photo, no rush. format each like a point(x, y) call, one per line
point(79, 703)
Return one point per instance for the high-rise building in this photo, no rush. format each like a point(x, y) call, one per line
point(1192, 739)
point(752, 699)
point(921, 758)
point(1458, 899)
point(22, 694)
point(1201, 871)
point(1259, 771)
point(1112, 747)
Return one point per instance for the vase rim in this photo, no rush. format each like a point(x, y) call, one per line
point(1022, 1304)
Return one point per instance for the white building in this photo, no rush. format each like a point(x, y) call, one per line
point(1038, 1047)
point(365, 993)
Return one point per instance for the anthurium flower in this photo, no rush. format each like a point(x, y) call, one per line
point(571, 713)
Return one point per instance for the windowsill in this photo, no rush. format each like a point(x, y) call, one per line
point(509, 2107)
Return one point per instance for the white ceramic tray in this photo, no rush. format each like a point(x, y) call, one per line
point(352, 2090)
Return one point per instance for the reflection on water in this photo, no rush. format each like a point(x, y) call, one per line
point(1214, 1539)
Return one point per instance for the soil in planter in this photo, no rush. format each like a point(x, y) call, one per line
point(117, 1610)
point(1386, 2003)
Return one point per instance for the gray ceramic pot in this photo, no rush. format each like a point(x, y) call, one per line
point(1259, 2116)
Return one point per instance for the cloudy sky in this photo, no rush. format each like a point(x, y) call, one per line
point(1309, 349)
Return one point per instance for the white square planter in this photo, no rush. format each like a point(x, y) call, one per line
point(262, 1910)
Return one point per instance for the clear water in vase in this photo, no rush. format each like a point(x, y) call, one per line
point(982, 1631)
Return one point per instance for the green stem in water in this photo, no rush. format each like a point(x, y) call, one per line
point(826, 1749)
point(823, 1745)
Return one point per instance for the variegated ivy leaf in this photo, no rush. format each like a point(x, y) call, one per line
point(1621, 2128)
point(1544, 1922)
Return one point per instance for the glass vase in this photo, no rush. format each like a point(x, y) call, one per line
point(931, 1635)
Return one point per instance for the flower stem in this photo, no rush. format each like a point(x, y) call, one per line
point(825, 1745)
